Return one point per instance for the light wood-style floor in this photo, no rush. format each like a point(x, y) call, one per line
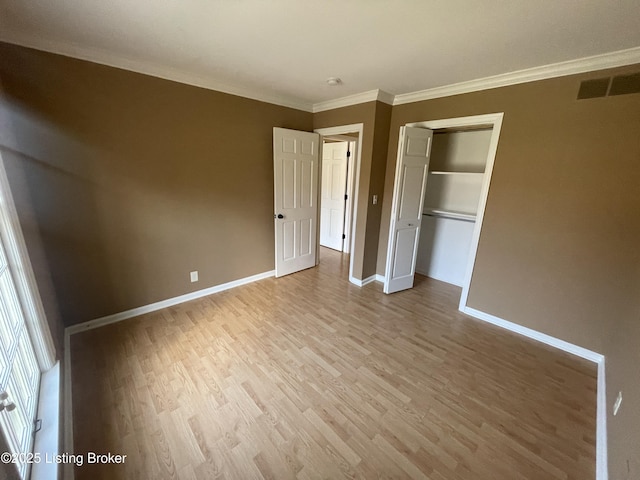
point(310, 377)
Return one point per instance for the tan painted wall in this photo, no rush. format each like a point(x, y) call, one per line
point(363, 113)
point(559, 246)
point(33, 239)
point(8, 471)
point(622, 351)
point(376, 185)
point(375, 116)
point(125, 183)
point(134, 181)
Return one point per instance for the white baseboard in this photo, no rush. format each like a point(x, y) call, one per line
point(535, 335)
point(368, 280)
point(170, 302)
point(601, 402)
point(362, 283)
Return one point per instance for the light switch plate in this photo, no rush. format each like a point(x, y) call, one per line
point(616, 406)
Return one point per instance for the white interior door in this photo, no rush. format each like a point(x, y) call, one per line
point(295, 166)
point(406, 211)
point(19, 370)
point(332, 198)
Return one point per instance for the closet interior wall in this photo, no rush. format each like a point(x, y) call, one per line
point(454, 183)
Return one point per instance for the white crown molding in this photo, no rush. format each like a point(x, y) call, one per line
point(386, 97)
point(364, 97)
point(167, 73)
point(571, 67)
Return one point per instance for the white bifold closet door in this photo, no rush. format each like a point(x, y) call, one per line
point(406, 211)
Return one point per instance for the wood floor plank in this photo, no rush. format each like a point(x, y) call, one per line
point(399, 457)
point(309, 376)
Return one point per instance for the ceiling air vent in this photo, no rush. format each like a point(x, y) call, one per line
point(623, 84)
point(593, 88)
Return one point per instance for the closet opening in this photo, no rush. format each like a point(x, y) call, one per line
point(440, 191)
point(452, 196)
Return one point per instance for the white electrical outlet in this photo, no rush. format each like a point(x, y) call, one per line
point(616, 406)
point(194, 276)
point(375, 199)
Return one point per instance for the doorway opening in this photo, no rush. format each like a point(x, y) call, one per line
point(440, 193)
point(336, 185)
point(338, 190)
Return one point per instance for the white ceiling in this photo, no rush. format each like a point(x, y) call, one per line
point(284, 50)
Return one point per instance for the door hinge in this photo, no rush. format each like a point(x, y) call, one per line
point(348, 153)
point(346, 196)
point(37, 425)
point(344, 236)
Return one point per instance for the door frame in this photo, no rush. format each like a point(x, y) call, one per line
point(352, 207)
point(348, 212)
point(493, 120)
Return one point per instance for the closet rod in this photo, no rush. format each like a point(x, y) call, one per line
point(465, 217)
point(442, 131)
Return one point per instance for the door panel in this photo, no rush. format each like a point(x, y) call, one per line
point(295, 167)
point(306, 238)
point(417, 146)
point(406, 215)
point(307, 191)
point(405, 241)
point(336, 224)
point(412, 182)
point(288, 183)
point(288, 236)
point(332, 198)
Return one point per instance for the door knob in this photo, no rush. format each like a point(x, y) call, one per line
point(279, 215)
point(5, 403)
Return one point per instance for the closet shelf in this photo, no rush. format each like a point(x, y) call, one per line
point(442, 172)
point(439, 212)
